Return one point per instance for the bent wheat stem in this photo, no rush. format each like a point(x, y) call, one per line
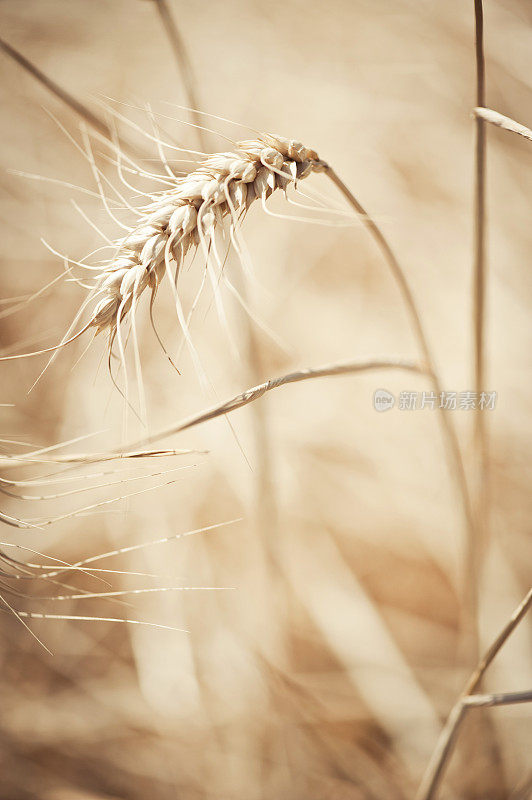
point(468, 700)
point(448, 431)
point(255, 392)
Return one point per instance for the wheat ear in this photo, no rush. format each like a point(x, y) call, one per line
point(186, 217)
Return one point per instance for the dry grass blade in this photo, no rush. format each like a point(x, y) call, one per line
point(82, 111)
point(184, 65)
point(143, 590)
point(255, 392)
point(476, 542)
point(91, 458)
point(449, 434)
point(448, 736)
point(501, 121)
point(78, 108)
point(76, 618)
point(490, 654)
point(14, 522)
point(135, 547)
point(491, 700)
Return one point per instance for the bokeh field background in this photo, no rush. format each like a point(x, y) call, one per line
point(326, 672)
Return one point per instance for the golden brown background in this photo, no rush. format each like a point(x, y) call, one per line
point(327, 672)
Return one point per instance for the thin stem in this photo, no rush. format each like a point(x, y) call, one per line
point(266, 506)
point(392, 261)
point(451, 730)
point(449, 434)
point(255, 392)
point(449, 734)
point(511, 625)
point(87, 458)
point(88, 116)
point(501, 699)
point(500, 121)
point(184, 66)
point(476, 542)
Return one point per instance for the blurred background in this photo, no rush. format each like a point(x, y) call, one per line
point(327, 666)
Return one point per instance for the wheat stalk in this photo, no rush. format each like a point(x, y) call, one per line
point(456, 463)
point(80, 109)
point(467, 700)
point(184, 65)
point(476, 542)
point(256, 392)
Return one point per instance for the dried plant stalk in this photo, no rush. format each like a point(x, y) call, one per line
point(444, 747)
point(449, 434)
point(184, 65)
point(476, 542)
point(256, 392)
point(89, 117)
point(501, 121)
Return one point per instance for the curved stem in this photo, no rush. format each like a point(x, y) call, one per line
point(475, 679)
point(467, 699)
point(255, 392)
point(448, 431)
